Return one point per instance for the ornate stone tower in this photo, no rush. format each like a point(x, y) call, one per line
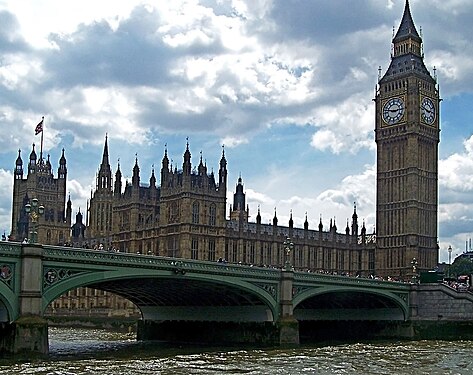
point(100, 209)
point(239, 211)
point(192, 210)
point(407, 137)
point(53, 227)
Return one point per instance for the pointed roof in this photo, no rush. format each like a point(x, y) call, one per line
point(33, 153)
point(407, 28)
point(407, 56)
point(118, 172)
point(105, 152)
point(62, 160)
point(136, 168)
point(223, 161)
point(19, 161)
point(187, 153)
point(152, 179)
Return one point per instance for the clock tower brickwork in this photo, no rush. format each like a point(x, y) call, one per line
point(407, 136)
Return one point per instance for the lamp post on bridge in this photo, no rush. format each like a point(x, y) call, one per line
point(34, 211)
point(288, 246)
point(449, 259)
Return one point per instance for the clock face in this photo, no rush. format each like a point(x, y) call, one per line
point(428, 111)
point(393, 111)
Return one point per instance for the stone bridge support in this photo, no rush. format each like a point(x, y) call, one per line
point(28, 334)
point(288, 326)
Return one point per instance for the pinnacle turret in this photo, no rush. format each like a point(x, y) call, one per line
point(104, 176)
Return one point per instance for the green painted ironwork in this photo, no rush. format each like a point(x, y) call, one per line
point(67, 268)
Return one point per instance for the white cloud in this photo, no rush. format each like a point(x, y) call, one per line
point(338, 201)
point(456, 171)
point(79, 196)
point(6, 194)
point(40, 18)
point(344, 127)
point(238, 71)
point(233, 142)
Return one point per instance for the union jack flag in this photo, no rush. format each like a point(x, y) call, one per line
point(39, 127)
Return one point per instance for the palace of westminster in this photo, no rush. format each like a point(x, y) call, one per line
point(185, 214)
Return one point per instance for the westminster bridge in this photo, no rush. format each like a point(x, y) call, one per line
point(192, 293)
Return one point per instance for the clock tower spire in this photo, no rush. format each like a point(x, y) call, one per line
point(407, 136)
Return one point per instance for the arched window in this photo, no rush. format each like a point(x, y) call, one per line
point(195, 248)
point(212, 215)
point(195, 213)
point(173, 213)
point(211, 249)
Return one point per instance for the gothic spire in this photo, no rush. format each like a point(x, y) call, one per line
point(135, 180)
point(152, 179)
point(105, 148)
point(33, 155)
point(19, 161)
point(222, 173)
point(407, 55)
point(407, 28)
point(104, 176)
point(62, 160)
point(186, 166)
point(118, 180)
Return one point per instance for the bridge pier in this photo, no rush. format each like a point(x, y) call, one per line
point(209, 332)
point(25, 337)
point(288, 326)
point(28, 334)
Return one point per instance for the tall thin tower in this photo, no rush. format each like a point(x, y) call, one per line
point(407, 137)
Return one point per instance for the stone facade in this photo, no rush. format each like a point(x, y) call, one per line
point(438, 302)
point(407, 137)
point(185, 216)
point(54, 225)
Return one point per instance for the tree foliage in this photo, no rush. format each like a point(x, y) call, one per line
point(461, 266)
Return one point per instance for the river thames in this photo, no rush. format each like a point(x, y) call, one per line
point(92, 351)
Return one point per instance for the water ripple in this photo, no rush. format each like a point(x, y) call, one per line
point(83, 351)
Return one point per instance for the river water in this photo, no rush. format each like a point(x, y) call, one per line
point(91, 351)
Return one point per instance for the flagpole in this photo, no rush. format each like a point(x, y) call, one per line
point(41, 150)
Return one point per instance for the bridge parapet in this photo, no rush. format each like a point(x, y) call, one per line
point(71, 255)
point(320, 278)
point(9, 249)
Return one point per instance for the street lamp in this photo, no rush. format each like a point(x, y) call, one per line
point(449, 258)
point(288, 246)
point(34, 211)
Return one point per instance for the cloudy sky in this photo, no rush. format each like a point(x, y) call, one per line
point(286, 86)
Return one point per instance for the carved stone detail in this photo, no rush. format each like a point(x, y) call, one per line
point(53, 275)
point(7, 271)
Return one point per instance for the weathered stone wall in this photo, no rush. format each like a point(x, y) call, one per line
point(440, 302)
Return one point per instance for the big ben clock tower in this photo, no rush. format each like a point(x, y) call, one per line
point(407, 137)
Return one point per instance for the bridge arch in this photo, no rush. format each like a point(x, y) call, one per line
point(8, 305)
point(350, 303)
point(163, 293)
